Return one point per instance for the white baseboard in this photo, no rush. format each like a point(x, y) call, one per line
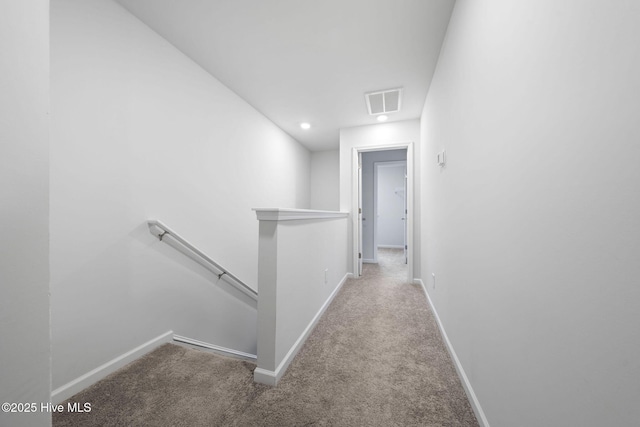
point(370, 261)
point(391, 246)
point(271, 378)
point(475, 404)
point(64, 392)
point(190, 342)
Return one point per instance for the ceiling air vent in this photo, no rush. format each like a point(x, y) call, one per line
point(384, 101)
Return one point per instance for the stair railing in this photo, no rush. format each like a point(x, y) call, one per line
point(161, 231)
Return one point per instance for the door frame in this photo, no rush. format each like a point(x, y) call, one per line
point(376, 166)
point(355, 194)
point(360, 219)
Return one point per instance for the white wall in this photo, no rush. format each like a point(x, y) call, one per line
point(532, 227)
point(140, 131)
point(25, 370)
point(390, 203)
point(368, 188)
point(325, 249)
point(295, 290)
point(375, 136)
point(325, 180)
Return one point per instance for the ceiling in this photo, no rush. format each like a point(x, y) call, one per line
point(308, 60)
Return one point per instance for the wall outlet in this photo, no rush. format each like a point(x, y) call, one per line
point(326, 276)
point(433, 275)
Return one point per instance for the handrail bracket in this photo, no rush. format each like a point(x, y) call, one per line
point(159, 230)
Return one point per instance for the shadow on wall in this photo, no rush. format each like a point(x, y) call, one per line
point(176, 253)
point(150, 288)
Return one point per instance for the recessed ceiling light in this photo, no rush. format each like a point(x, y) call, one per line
point(382, 118)
point(305, 125)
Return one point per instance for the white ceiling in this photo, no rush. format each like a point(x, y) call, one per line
point(308, 60)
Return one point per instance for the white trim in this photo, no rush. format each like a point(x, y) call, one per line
point(215, 348)
point(390, 246)
point(376, 167)
point(369, 261)
point(475, 403)
point(283, 214)
point(272, 378)
point(263, 376)
point(64, 392)
point(390, 163)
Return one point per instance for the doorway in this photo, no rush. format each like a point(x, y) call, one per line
point(364, 219)
point(389, 208)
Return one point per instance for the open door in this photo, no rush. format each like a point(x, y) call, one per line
point(359, 214)
point(356, 202)
point(406, 258)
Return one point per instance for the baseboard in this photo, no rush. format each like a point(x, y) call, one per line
point(391, 246)
point(272, 378)
point(64, 392)
point(264, 376)
point(190, 342)
point(475, 404)
point(369, 261)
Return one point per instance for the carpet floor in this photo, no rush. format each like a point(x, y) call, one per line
point(376, 358)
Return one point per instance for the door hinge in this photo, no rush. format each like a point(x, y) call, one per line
point(359, 255)
point(359, 210)
point(405, 247)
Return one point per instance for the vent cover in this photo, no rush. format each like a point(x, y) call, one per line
point(384, 101)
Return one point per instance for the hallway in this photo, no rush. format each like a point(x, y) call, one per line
point(391, 265)
point(375, 358)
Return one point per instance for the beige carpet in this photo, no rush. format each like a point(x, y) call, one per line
point(376, 358)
